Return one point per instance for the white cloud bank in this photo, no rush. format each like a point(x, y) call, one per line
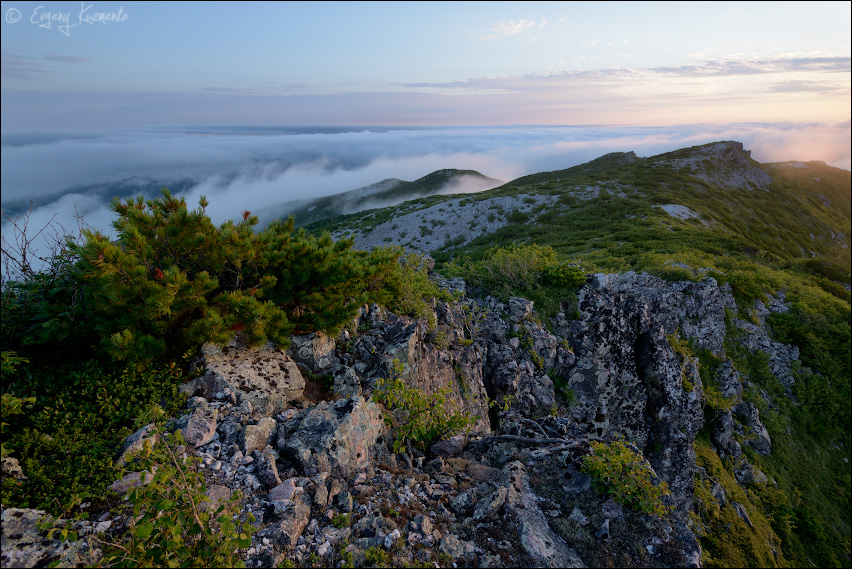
point(253, 169)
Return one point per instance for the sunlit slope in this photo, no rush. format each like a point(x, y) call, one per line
point(381, 194)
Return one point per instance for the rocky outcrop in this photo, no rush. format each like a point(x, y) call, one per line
point(336, 438)
point(320, 478)
point(264, 377)
point(24, 545)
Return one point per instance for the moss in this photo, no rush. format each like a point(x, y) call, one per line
point(728, 540)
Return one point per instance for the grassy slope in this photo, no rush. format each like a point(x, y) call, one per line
point(312, 211)
point(791, 236)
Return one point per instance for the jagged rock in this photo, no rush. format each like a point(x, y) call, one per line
point(603, 532)
point(131, 480)
point(200, 426)
point(537, 538)
point(373, 524)
point(451, 446)
point(25, 546)
point(519, 309)
point(338, 437)
point(230, 430)
point(430, 369)
point(454, 547)
point(741, 512)
point(391, 538)
point(135, 442)
point(321, 491)
point(264, 377)
point(217, 494)
point(729, 381)
point(780, 356)
point(675, 404)
point(266, 469)
point(462, 503)
point(285, 490)
point(295, 517)
point(731, 166)
point(314, 350)
point(577, 516)
point(346, 382)
point(722, 437)
point(256, 437)
point(758, 436)
point(490, 505)
point(9, 466)
point(455, 285)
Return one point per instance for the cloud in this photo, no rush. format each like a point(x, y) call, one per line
point(728, 68)
point(802, 86)
point(14, 65)
point(66, 58)
point(512, 28)
point(503, 29)
point(17, 66)
point(257, 169)
point(758, 66)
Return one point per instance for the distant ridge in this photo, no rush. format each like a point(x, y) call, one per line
point(386, 193)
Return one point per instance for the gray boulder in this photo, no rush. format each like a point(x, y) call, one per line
point(315, 351)
point(264, 377)
point(256, 437)
point(338, 437)
point(135, 442)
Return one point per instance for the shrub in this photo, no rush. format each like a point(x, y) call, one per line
point(67, 439)
point(414, 292)
point(430, 417)
point(340, 521)
point(623, 473)
point(529, 271)
point(173, 280)
point(171, 528)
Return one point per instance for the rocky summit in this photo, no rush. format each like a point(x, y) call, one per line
point(635, 362)
point(513, 490)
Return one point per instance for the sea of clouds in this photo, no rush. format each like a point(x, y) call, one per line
point(60, 176)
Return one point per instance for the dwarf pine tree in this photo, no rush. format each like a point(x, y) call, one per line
point(321, 283)
point(172, 280)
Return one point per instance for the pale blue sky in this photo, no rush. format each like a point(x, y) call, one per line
point(424, 63)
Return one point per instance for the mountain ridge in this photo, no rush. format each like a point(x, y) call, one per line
point(385, 193)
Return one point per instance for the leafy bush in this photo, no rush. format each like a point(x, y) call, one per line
point(529, 271)
point(171, 526)
point(623, 473)
point(67, 439)
point(429, 417)
point(414, 292)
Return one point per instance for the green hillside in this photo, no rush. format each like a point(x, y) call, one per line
point(386, 193)
point(768, 231)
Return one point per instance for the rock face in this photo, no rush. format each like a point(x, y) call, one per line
point(321, 479)
point(266, 377)
point(25, 546)
point(338, 437)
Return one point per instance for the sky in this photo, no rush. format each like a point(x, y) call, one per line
point(205, 97)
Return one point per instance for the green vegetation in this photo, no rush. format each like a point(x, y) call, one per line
point(623, 473)
point(176, 526)
point(68, 436)
point(96, 345)
point(727, 539)
point(341, 521)
point(429, 418)
point(529, 271)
